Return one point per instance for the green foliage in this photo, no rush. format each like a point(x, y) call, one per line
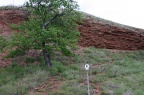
point(52, 22)
point(29, 60)
point(3, 43)
point(16, 52)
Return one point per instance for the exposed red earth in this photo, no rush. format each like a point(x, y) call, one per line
point(93, 33)
point(7, 17)
point(103, 35)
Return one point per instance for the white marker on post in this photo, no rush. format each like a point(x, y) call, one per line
point(87, 68)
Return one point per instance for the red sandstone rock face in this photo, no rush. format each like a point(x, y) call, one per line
point(108, 36)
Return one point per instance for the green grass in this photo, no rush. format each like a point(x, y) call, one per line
point(117, 73)
point(18, 80)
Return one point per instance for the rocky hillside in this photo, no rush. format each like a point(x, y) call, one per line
point(94, 31)
point(102, 33)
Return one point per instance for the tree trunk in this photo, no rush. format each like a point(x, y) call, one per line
point(46, 56)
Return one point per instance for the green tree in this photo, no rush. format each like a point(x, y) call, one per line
point(51, 27)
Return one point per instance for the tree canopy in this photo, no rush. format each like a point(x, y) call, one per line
point(51, 27)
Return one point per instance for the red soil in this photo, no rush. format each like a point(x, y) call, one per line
point(93, 33)
point(8, 17)
point(108, 36)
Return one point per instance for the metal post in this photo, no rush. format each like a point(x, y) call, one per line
point(88, 83)
point(87, 69)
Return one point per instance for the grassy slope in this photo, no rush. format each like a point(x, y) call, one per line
point(116, 72)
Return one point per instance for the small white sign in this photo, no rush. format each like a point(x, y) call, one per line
point(87, 66)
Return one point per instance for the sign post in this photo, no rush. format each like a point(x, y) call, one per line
point(87, 69)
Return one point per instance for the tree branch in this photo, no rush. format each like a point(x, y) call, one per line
point(51, 20)
point(39, 2)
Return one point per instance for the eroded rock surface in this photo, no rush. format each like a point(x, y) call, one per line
point(101, 35)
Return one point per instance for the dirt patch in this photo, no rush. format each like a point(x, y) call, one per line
point(50, 86)
point(8, 17)
point(4, 62)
